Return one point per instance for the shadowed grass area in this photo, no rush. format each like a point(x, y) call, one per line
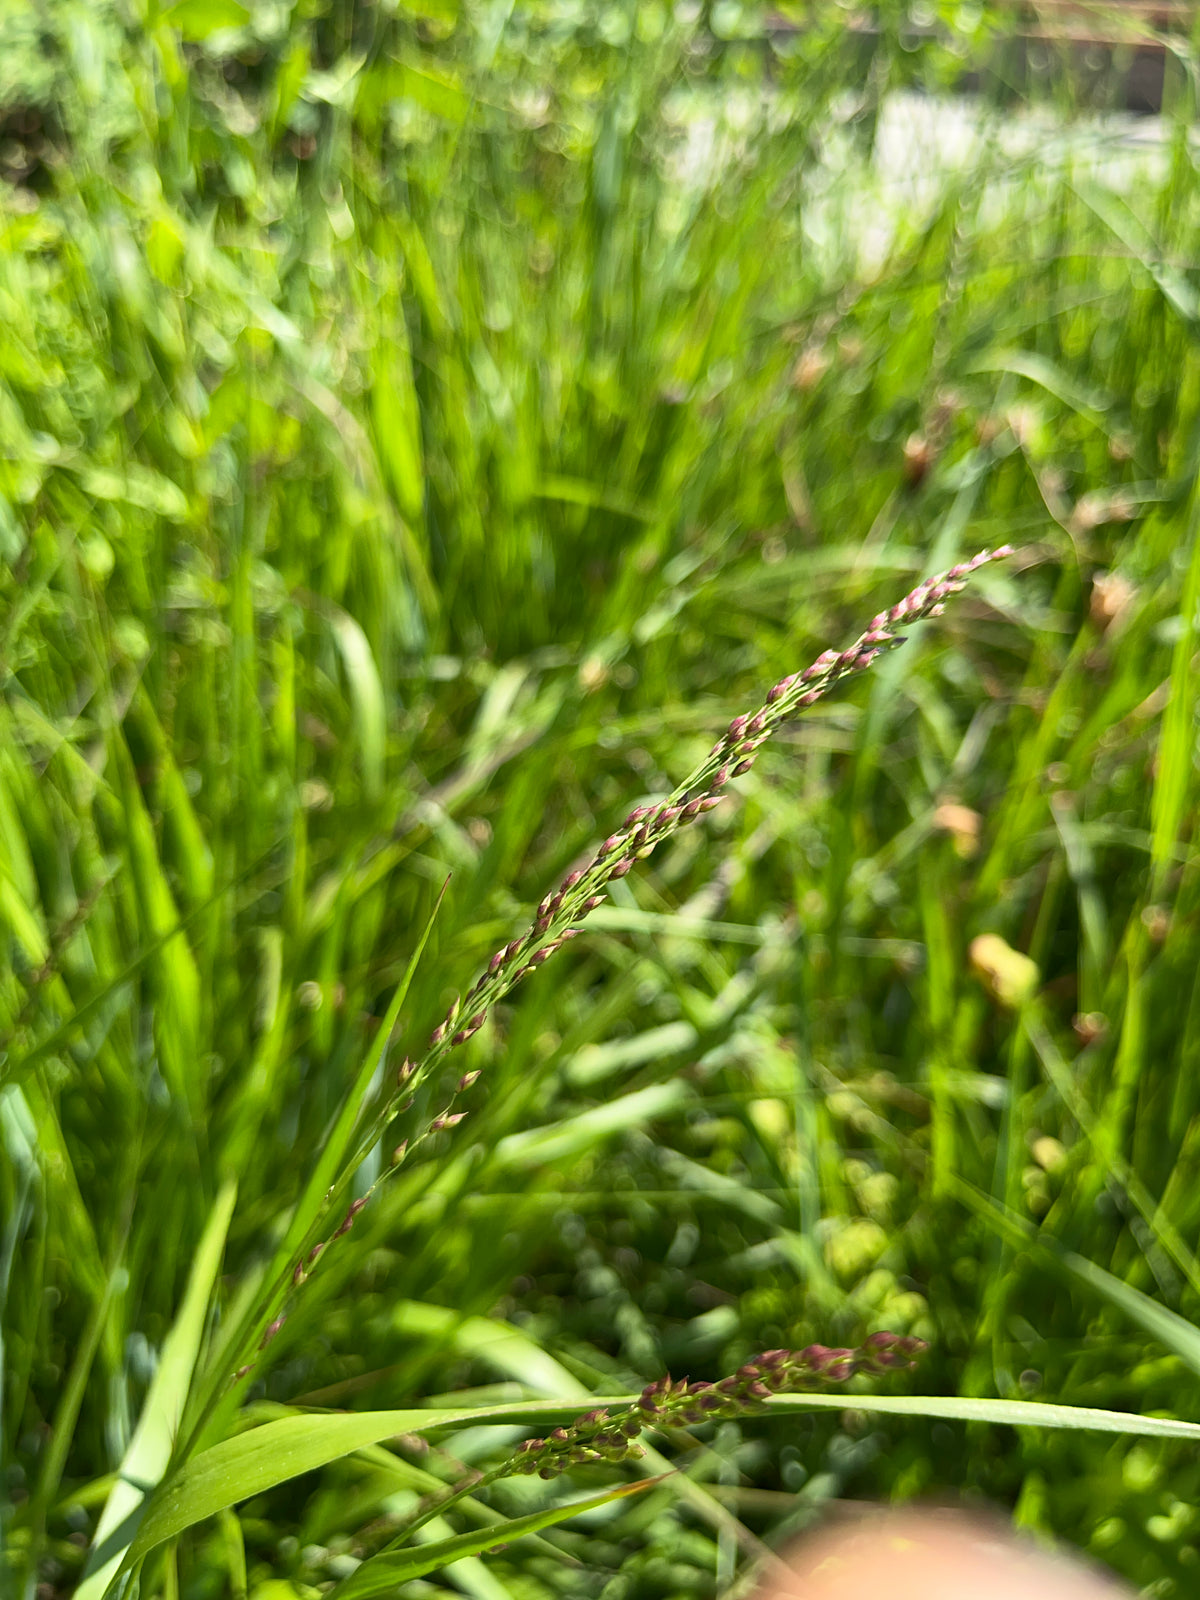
point(421, 430)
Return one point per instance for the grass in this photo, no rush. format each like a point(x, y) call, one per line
point(423, 431)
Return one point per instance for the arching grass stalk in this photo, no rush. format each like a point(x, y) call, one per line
point(561, 912)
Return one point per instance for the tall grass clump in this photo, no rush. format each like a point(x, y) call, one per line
point(425, 430)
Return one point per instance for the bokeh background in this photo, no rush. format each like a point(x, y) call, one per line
point(422, 426)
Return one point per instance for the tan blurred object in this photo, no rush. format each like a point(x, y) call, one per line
point(1112, 596)
point(962, 824)
point(932, 1555)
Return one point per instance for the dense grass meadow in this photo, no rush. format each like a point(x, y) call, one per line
point(423, 427)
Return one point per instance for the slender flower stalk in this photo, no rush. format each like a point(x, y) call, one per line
point(611, 1433)
point(559, 915)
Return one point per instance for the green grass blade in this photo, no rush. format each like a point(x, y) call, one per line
point(1176, 748)
point(334, 1147)
point(571, 1138)
point(251, 1462)
point(1014, 1413)
point(323, 1179)
point(381, 1573)
point(1163, 1324)
point(149, 1450)
point(271, 1454)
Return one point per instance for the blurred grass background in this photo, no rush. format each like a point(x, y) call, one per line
point(421, 428)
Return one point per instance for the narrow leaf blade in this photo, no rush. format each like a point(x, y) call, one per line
point(381, 1573)
point(150, 1448)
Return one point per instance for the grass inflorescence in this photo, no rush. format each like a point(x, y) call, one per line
point(424, 430)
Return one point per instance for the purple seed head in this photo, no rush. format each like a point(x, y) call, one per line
point(622, 868)
point(837, 1366)
point(881, 1341)
point(348, 1220)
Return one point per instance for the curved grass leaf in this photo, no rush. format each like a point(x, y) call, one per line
point(382, 1573)
point(1160, 1322)
point(150, 1448)
point(255, 1461)
point(243, 1466)
point(1014, 1413)
point(366, 698)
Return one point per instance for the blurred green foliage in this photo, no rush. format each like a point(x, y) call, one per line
point(421, 429)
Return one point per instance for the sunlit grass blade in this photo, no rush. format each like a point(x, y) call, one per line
point(150, 1449)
